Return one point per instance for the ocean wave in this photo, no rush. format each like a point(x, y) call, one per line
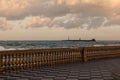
point(106, 45)
point(4, 49)
point(25, 45)
point(98, 45)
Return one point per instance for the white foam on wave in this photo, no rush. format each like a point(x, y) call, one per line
point(2, 48)
point(98, 45)
point(11, 49)
point(5, 49)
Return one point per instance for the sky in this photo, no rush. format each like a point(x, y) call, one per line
point(58, 19)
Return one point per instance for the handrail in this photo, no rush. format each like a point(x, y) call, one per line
point(32, 59)
point(93, 53)
point(17, 60)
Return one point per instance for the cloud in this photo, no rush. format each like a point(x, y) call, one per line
point(113, 20)
point(68, 21)
point(19, 9)
point(4, 25)
point(14, 9)
point(38, 22)
point(63, 13)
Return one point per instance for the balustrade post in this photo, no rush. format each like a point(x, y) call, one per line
point(0, 62)
point(85, 55)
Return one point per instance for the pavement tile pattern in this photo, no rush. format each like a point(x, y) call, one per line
point(92, 70)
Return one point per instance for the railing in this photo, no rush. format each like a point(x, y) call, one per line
point(92, 53)
point(33, 59)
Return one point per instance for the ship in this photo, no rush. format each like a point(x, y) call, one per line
point(80, 40)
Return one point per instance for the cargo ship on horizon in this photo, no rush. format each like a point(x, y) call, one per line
point(93, 40)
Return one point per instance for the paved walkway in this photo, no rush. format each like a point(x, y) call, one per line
point(93, 70)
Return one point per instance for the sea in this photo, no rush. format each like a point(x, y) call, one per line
point(25, 45)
